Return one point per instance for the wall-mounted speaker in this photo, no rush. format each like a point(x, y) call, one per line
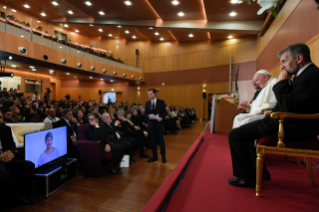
point(100, 92)
point(124, 75)
point(133, 77)
point(115, 73)
point(64, 61)
point(137, 52)
point(141, 78)
point(92, 68)
point(45, 57)
point(104, 71)
point(79, 65)
point(23, 50)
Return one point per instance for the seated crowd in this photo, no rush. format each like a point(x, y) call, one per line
point(65, 41)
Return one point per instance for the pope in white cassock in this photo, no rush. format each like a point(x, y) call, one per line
point(266, 100)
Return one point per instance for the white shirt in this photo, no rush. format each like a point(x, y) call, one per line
point(116, 133)
point(35, 97)
point(302, 69)
point(49, 119)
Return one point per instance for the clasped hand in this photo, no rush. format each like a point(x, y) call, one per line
point(7, 156)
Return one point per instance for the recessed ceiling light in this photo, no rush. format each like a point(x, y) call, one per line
point(102, 79)
point(10, 57)
point(111, 80)
point(180, 14)
point(60, 47)
point(34, 69)
point(151, 28)
point(232, 14)
point(230, 37)
point(110, 35)
point(76, 30)
point(75, 77)
point(88, 3)
point(51, 70)
point(234, 1)
point(22, 36)
point(112, 89)
point(67, 73)
point(26, 6)
point(161, 38)
point(65, 25)
point(91, 77)
point(101, 13)
point(133, 36)
point(101, 30)
point(13, 10)
point(55, 3)
point(61, 29)
point(175, 2)
point(13, 66)
point(91, 25)
point(127, 32)
point(70, 12)
point(128, 2)
point(31, 66)
point(156, 33)
point(39, 22)
point(190, 35)
point(43, 14)
point(4, 7)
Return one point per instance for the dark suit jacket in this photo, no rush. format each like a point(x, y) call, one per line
point(69, 128)
point(301, 97)
point(7, 142)
point(160, 109)
point(111, 130)
point(98, 134)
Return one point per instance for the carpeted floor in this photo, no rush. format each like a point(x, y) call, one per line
point(205, 186)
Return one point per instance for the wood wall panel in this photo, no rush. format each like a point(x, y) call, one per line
point(203, 75)
point(301, 26)
point(284, 14)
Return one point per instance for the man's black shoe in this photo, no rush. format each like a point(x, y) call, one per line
point(175, 132)
point(144, 155)
point(153, 159)
point(115, 171)
point(242, 183)
point(164, 159)
point(27, 201)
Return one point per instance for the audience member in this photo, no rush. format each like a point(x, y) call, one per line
point(7, 116)
point(51, 118)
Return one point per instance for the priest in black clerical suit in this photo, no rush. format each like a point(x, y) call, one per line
point(301, 96)
point(155, 107)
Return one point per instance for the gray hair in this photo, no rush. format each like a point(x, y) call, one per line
point(66, 111)
point(105, 113)
point(133, 108)
point(120, 111)
point(295, 49)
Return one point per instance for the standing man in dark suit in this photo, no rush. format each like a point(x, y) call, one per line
point(14, 180)
point(301, 96)
point(155, 111)
point(67, 120)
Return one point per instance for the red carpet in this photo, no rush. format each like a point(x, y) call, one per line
point(205, 186)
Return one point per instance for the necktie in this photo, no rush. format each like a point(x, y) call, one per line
point(153, 106)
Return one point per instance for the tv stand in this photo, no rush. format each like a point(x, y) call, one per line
point(53, 176)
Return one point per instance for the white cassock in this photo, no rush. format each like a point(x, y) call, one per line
point(266, 99)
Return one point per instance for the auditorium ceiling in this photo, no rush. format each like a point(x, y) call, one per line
point(149, 20)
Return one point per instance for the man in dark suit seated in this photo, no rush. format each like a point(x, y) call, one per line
point(132, 132)
point(67, 120)
point(301, 96)
point(153, 108)
point(4, 93)
point(98, 131)
point(112, 128)
point(14, 180)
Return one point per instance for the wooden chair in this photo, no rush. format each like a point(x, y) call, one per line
point(273, 145)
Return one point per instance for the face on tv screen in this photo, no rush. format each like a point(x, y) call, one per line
point(45, 146)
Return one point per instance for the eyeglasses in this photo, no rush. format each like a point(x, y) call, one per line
point(92, 119)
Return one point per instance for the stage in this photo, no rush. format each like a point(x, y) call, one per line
point(205, 187)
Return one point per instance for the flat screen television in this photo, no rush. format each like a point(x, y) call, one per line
point(45, 146)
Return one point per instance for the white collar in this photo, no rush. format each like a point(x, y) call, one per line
point(302, 69)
